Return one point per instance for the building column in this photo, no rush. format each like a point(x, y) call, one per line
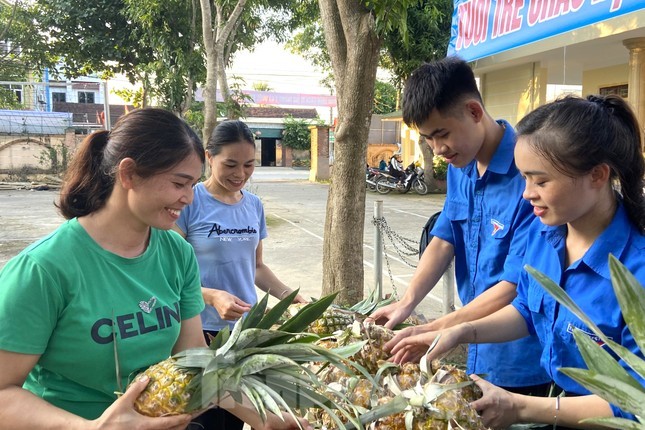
point(319, 153)
point(636, 83)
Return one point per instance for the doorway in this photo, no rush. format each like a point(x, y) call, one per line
point(268, 151)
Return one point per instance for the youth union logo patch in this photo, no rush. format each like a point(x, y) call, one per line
point(497, 226)
point(592, 336)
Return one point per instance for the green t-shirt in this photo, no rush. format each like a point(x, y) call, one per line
point(65, 297)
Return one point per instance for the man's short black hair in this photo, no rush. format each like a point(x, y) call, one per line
point(439, 85)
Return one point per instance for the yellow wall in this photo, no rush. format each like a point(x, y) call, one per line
point(592, 80)
point(513, 92)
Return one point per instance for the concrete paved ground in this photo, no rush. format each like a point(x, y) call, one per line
point(295, 211)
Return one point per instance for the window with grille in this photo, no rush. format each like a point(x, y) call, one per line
point(59, 97)
point(619, 90)
point(85, 97)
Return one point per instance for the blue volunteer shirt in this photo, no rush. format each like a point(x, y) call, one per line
point(486, 220)
point(225, 238)
point(588, 282)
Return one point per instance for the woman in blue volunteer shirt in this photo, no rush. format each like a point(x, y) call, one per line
point(225, 225)
point(584, 170)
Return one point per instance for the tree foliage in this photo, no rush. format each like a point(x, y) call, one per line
point(228, 26)
point(428, 28)
point(91, 36)
point(24, 48)
point(385, 98)
point(296, 133)
point(171, 30)
point(421, 34)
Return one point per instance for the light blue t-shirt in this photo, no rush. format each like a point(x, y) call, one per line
point(486, 220)
point(225, 238)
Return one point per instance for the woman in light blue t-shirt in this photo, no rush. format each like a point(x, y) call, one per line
point(225, 225)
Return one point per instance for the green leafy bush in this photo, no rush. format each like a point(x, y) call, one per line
point(439, 168)
point(605, 376)
point(296, 134)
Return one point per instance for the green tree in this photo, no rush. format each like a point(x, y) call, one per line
point(384, 98)
point(428, 31)
point(171, 29)
point(152, 42)
point(228, 26)
point(91, 36)
point(24, 49)
point(354, 31)
point(296, 133)
point(428, 27)
point(424, 37)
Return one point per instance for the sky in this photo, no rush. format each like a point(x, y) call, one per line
point(281, 70)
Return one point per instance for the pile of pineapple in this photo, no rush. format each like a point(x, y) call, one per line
point(316, 360)
point(388, 396)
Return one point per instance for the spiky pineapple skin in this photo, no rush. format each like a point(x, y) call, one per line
point(332, 320)
point(166, 393)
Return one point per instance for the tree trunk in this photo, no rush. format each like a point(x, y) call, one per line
point(210, 86)
point(428, 166)
point(215, 39)
point(354, 50)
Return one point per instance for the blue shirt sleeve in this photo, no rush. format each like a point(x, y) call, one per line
point(521, 301)
point(443, 229)
point(513, 263)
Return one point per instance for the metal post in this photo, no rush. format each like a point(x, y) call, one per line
point(106, 106)
point(378, 247)
point(449, 288)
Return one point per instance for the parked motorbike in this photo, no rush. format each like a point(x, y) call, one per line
point(372, 176)
point(413, 180)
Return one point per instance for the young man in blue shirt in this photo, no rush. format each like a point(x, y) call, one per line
point(483, 224)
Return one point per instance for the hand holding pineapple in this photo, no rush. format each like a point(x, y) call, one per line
point(391, 315)
point(497, 407)
point(122, 414)
point(412, 343)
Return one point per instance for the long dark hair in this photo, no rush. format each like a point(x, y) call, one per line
point(227, 133)
point(155, 139)
point(576, 134)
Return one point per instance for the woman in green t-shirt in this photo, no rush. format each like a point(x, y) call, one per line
point(113, 277)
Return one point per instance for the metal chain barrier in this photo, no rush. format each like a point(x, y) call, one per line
point(401, 245)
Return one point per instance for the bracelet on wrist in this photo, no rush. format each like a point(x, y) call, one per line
point(557, 409)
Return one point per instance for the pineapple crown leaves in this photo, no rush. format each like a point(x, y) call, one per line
point(371, 303)
point(255, 318)
point(424, 362)
point(300, 396)
point(259, 318)
point(407, 400)
point(394, 406)
point(605, 377)
point(308, 314)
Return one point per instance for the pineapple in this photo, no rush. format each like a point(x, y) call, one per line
point(332, 320)
point(166, 393)
point(372, 355)
point(253, 361)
